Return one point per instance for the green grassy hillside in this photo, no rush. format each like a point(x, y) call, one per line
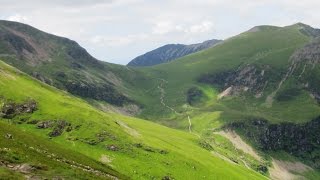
point(266, 49)
point(156, 92)
point(63, 124)
point(64, 64)
point(263, 79)
point(25, 155)
point(268, 74)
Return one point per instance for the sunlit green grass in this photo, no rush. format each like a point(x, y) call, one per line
point(271, 46)
point(182, 157)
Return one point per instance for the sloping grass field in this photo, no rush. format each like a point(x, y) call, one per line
point(133, 147)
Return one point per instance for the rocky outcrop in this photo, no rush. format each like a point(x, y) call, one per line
point(100, 137)
point(300, 140)
point(12, 109)
point(307, 60)
point(170, 52)
point(248, 78)
point(57, 126)
point(45, 124)
point(60, 126)
point(112, 147)
point(310, 53)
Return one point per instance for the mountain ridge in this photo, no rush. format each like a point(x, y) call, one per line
point(170, 52)
point(60, 62)
point(266, 80)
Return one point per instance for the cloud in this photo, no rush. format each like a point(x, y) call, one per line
point(117, 41)
point(166, 27)
point(108, 28)
point(18, 18)
point(204, 27)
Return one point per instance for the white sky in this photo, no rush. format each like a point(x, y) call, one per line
point(119, 30)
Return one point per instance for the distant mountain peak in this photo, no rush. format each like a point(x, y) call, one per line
point(301, 24)
point(307, 29)
point(262, 28)
point(170, 52)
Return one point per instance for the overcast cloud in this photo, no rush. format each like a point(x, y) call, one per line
point(119, 30)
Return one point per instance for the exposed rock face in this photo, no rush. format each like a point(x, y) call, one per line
point(247, 78)
point(11, 109)
point(300, 140)
point(310, 53)
point(170, 52)
point(225, 93)
point(307, 60)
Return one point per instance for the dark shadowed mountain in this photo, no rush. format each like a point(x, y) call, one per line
point(62, 63)
point(170, 52)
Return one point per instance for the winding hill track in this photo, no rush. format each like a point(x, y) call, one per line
point(190, 124)
point(190, 128)
point(162, 96)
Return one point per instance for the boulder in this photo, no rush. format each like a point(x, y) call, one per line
point(45, 124)
point(59, 128)
point(112, 147)
point(8, 136)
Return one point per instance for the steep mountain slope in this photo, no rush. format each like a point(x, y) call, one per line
point(170, 52)
point(69, 132)
point(264, 79)
point(246, 62)
point(27, 156)
point(64, 64)
point(261, 83)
